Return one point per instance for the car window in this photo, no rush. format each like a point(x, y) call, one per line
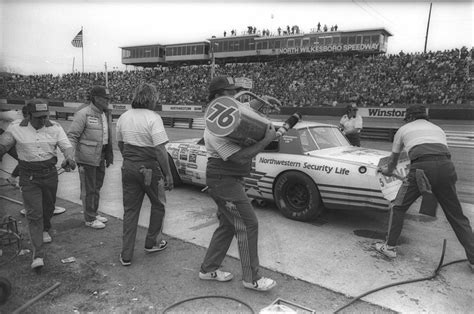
point(201, 141)
point(307, 141)
point(321, 137)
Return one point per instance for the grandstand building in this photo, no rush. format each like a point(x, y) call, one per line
point(258, 48)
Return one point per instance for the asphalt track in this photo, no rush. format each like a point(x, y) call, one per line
point(334, 251)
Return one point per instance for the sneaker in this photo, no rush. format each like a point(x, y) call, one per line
point(58, 210)
point(95, 224)
point(102, 219)
point(23, 211)
point(46, 237)
point(160, 247)
point(124, 262)
point(385, 249)
point(263, 284)
point(37, 263)
point(217, 275)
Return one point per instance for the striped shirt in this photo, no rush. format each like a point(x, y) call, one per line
point(141, 128)
point(35, 145)
point(219, 149)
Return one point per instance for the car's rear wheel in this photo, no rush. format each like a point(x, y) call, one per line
point(297, 196)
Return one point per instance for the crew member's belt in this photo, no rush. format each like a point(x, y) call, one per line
point(431, 158)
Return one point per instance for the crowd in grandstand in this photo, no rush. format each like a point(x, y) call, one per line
point(441, 77)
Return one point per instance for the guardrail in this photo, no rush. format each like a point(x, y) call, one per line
point(462, 139)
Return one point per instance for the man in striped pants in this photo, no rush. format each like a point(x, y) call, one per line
point(227, 164)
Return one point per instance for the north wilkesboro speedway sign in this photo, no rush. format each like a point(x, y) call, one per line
point(330, 48)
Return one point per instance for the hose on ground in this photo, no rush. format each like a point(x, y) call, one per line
point(435, 273)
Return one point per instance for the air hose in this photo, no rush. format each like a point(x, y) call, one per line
point(208, 297)
point(435, 273)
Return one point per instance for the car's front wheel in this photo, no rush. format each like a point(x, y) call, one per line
point(297, 196)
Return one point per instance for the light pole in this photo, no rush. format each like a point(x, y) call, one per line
point(213, 59)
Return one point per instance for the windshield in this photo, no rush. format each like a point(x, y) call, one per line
point(321, 137)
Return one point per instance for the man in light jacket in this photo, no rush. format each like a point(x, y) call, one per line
point(90, 136)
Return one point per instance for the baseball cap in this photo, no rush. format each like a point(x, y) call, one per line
point(352, 106)
point(222, 82)
point(415, 110)
point(37, 108)
point(100, 91)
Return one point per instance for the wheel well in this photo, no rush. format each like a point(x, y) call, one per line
point(174, 171)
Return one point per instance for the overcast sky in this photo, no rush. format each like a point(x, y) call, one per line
point(36, 35)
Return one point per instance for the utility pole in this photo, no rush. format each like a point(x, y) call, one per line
point(213, 61)
point(428, 27)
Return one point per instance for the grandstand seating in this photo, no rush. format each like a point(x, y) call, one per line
point(441, 77)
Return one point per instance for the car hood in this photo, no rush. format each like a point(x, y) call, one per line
point(352, 154)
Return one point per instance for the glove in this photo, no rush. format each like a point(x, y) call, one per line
point(68, 164)
point(108, 163)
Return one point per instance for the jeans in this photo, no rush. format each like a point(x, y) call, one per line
point(236, 218)
point(92, 179)
point(442, 177)
point(39, 197)
point(134, 191)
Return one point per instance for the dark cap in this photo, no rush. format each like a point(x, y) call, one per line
point(417, 111)
point(100, 91)
point(220, 83)
point(352, 106)
point(37, 108)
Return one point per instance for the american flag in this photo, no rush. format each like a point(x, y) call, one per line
point(77, 41)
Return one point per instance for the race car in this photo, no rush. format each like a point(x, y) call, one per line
point(310, 168)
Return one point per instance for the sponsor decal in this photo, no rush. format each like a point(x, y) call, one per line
point(92, 120)
point(183, 153)
point(306, 165)
point(272, 161)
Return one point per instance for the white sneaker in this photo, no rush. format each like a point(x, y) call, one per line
point(385, 249)
point(37, 263)
point(101, 218)
point(263, 284)
point(23, 211)
point(58, 210)
point(96, 224)
point(217, 275)
point(46, 237)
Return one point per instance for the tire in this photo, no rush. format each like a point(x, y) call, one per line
point(5, 290)
point(176, 179)
point(297, 196)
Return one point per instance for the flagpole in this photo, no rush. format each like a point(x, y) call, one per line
point(82, 49)
point(106, 76)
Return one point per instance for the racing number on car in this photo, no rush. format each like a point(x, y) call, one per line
point(222, 116)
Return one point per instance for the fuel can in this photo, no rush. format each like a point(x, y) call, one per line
point(227, 117)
